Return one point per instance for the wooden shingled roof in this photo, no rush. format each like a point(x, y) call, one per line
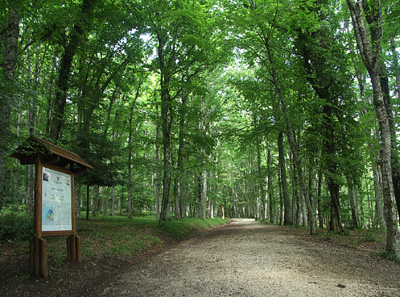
point(50, 153)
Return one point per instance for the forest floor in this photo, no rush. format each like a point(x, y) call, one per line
point(243, 258)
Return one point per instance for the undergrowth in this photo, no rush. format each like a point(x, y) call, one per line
point(102, 236)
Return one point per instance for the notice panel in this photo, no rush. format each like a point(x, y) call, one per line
point(56, 201)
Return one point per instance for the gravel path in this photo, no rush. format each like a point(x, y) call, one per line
point(249, 258)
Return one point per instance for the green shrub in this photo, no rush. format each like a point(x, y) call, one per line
point(16, 227)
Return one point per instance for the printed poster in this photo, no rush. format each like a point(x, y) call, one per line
point(56, 201)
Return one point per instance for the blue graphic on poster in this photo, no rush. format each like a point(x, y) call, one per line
point(56, 201)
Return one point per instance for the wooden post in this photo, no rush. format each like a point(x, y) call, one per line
point(74, 248)
point(31, 261)
point(36, 256)
point(43, 258)
point(37, 247)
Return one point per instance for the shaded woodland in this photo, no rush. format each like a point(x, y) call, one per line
point(285, 111)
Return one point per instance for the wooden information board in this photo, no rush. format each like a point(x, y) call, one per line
point(54, 198)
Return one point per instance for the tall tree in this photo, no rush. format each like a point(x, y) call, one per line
point(75, 38)
point(8, 86)
point(367, 21)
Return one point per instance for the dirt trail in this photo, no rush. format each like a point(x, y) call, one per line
point(248, 258)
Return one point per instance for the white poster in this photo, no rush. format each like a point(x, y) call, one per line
point(56, 201)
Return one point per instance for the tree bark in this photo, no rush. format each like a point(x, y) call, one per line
point(288, 217)
point(291, 137)
point(179, 171)
point(166, 120)
point(370, 50)
point(96, 200)
point(270, 188)
point(319, 202)
point(355, 219)
point(260, 182)
point(395, 64)
point(75, 39)
point(7, 88)
point(384, 80)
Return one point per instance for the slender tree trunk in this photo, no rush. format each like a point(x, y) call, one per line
point(270, 188)
point(96, 200)
point(157, 178)
point(380, 219)
point(130, 149)
point(280, 198)
point(180, 169)
point(78, 198)
point(203, 203)
point(261, 183)
point(298, 202)
point(112, 200)
point(105, 202)
point(166, 119)
point(319, 202)
point(355, 219)
point(288, 217)
point(395, 64)
point(130, 183)
point(182, 193)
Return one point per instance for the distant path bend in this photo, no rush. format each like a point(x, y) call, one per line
point(249, 258)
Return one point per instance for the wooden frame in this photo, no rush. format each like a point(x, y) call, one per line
point(47, 155)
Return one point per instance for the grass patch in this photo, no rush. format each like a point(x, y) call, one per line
point(367, 239)
point(112, 236)
point(179, 229)
point(387, 255)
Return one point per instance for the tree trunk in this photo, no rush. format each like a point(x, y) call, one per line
point(335, 224)
point(96, 200)
point(7, 88)
point(261, 183)
point(75, 39)
point(319, 202)
point(77, 194)
point(112, 200)
point(179, 171)
point(157, 178)
point(292, 143)
point(280, 198)
point(384, 80)
point(203, 209)
point(130, 183)
point(395, 64)
point(370, 51)
point(288, 217)
point(166, 119)
point(355, 220)
point(380, 220)
point(270, 188)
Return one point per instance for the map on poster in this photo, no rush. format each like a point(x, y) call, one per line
point(56, 201)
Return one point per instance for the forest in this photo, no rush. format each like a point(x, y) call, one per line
point(285, 111)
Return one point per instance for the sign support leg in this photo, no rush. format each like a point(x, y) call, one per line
point(74, 248)
point(38, 257)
